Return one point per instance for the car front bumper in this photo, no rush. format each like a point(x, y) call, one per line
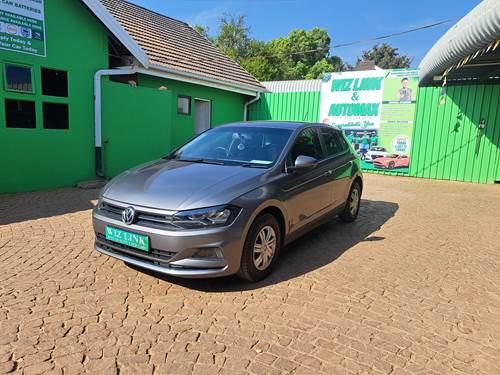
point(173, 252)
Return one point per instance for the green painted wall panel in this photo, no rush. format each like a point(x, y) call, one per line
point(45, 158)
point(135, 133)
point(226, 106)
point(287, 106)
point(149, 127)
point(447, 141)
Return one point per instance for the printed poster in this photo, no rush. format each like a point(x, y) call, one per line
point(375, 109)
point(22, 26)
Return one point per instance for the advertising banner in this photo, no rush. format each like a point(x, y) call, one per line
point(375, 109)
point(22, 26)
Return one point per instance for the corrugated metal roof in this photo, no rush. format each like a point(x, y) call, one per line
point(476, 30)
point(306, 85)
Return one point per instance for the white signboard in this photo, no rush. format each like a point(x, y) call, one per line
point(352, 99)
point(22, 26)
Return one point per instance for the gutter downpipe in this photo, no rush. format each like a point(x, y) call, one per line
point(245, 107)
point(97, 112)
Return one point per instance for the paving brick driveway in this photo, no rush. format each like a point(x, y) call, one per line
point(413, 287)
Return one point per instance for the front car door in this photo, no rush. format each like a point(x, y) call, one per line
point(340, 161)
point(306, 193)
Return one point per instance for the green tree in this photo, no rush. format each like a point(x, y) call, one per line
point(386, 57)
point(258, 63)
point(202, 30)
point(233, 36)
point(302, 54)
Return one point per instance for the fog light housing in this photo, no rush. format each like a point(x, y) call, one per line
point(208, 253)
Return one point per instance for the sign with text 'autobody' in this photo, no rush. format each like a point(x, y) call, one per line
point(22, 26)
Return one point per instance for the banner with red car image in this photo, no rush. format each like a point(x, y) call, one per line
point(375, 109)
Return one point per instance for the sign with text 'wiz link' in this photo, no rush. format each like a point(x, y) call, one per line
point(22, 26)
point(375, 109)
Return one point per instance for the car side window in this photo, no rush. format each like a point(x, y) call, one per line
point(334, 141)
point(307, 143)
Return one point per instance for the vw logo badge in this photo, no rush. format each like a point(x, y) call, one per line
point(128, 215)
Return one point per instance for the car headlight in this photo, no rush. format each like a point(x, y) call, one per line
point(218, 216)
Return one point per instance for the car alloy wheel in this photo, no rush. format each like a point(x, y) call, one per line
point(352, 204)
point(264, 248)
point(354, 201)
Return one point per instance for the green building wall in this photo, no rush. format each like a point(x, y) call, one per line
point(148, 126)
point(44, 158)
point(138, 124)
point(226, 106)
point(448, 142)
point(287, 106)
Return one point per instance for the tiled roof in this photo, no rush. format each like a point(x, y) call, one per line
point(175, 45)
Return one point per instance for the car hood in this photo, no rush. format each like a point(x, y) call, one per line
point(179, 185)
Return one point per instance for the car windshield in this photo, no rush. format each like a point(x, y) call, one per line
point(236, 145)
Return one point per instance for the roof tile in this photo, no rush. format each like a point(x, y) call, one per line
point(175, 45)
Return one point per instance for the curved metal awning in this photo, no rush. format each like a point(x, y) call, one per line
point(468, 45)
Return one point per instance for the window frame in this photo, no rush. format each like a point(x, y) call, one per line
point(55, 104)
point(51, 97)
point(35, 122)
point(315, 128)
point(337, 133)
point(189, 105)
point(21, 65)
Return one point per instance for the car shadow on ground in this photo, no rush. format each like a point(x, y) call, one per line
point(314, 250)
point(18, 207)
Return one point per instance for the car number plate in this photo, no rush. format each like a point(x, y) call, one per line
point(134, 240)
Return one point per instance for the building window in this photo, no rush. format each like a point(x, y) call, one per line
point(18, 78)
point(54, 82)
point(20, 114)
point(55, 116)
point(184, 105)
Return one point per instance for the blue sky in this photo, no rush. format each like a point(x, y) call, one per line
point(345, 21)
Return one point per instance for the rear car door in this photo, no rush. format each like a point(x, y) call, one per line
point(340, 161)
point(306, 193)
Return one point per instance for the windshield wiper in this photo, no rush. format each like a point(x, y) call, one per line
point(204, 161)
point(253, 165)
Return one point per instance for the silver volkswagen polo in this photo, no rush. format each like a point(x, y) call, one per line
point(227, 201)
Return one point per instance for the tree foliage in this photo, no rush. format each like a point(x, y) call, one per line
point(233, 36)
point(301, 54)
point(386, 57)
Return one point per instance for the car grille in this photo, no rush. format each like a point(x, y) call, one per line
point(146, 219)
point(153, 256)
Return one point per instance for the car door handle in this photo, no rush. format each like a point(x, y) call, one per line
point(328, 173)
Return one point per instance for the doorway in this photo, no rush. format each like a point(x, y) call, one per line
point(201, 115)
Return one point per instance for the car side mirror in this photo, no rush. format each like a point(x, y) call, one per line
point(303, 163)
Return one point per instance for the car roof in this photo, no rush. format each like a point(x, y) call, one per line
point(292, 125)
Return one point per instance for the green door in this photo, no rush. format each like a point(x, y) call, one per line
point(136, 126)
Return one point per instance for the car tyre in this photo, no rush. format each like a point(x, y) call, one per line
point(351, 209)
point(256, 265)
point(391, 165)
